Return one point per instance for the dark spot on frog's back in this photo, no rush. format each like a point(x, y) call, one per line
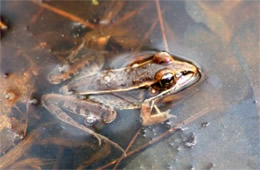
point(59, 114)
point(100, 106)
point(69, 119)
point(78, 109)
point(123, 84)
point(61, 102)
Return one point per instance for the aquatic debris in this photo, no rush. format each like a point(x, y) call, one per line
point(204, 124)
point(95, 2)
point(16, 87)
point(191, 141)
point(3, 26)
point(17, 152)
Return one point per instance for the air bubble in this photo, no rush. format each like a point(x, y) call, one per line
point(10, 95)
point(90, 120)
point(33, 101)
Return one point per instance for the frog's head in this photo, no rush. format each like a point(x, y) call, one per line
point(177, 75)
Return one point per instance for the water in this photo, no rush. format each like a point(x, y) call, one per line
point(221, 37)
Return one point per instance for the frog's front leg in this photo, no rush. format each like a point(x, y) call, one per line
point(58, 105)
point(150, 119)
point(81, 61)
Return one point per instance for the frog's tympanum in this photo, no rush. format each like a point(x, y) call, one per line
point(94, 93)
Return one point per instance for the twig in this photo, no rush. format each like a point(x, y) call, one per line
point(128, 147)
point(161, 24)
point(107, 165)
point(146, 36)
point(64, 14)
point(158, 138)
point(128, 16)
point(36, 15)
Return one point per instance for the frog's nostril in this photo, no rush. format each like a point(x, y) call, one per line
point(186, 72)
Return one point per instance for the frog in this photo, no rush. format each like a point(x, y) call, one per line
point(97, 94)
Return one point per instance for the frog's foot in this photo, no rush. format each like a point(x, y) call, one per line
point(99, 137)
point(159, 117)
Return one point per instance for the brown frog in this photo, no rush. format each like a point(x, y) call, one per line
point(95, 94)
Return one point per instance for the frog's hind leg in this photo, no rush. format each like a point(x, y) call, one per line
point(55, 109)
point(151, 119)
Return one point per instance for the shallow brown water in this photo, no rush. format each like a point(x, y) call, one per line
point(222, 37)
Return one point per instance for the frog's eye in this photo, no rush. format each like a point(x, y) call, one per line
point(165, 78)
